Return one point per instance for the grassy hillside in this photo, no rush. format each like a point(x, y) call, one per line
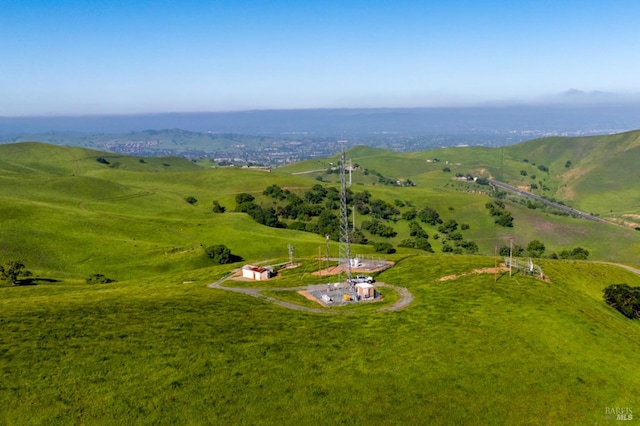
point(593, 174)
point(68, 215)
point(159, 346)
point(468, 350)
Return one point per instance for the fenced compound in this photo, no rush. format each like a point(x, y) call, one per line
point(339, 294)
point(528, 268)
point(369, 263)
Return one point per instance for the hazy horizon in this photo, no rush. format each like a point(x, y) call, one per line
point(69, 58)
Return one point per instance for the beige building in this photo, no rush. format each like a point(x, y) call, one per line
point(365, 290)
point(256, 273)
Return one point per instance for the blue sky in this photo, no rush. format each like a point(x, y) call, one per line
point(118, 57)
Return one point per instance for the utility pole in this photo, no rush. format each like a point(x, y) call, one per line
point(290, 247)
point(510, 254)
point(495, 264)
point(327, 242)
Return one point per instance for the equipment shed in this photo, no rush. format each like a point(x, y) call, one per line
point(365, 290)
point(256, 273)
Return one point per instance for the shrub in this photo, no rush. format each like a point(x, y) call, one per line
point(505, 219)
point(384, 248)
point(217, 208)
point(219, 253)
point(191, 199)
point(99, 279)
point(577, 253)
point(102, 160)
point(11, 271)
point(535, 248)
point(624, 298)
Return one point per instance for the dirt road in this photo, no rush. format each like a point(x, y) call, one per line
point(405, 297)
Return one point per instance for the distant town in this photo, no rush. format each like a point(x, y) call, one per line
point(274, 150)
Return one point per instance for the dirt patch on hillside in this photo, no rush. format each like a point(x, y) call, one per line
point(485, 172)
point(501, 268)
point(543, 225)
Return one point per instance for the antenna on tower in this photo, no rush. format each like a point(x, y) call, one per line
point(290, 247)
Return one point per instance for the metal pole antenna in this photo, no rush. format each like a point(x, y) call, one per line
point(510, 254)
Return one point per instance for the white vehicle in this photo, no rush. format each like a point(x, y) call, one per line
point(362, 279)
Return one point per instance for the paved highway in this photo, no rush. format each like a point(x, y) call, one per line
point(545, 201)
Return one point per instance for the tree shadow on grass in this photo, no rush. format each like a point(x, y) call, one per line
point(34, 281)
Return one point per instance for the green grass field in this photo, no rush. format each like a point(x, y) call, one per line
point(160, 347)
point(468, 350)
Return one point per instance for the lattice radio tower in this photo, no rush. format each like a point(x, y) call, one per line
point(345, 247)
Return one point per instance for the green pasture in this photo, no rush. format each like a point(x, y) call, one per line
point(160, 347)
point(468, 350)
point(68, 216)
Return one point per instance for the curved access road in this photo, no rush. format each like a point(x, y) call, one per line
point(547, 202)
point(405, 297)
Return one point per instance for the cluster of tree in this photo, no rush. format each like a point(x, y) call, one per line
point(535, 248)
point(449, 229)
point(275, 192)
point(12, 271)
point(314, 212)
point(460, 246)
point(501, 216)
point(220, 254)
point(577, 253)
point(419, 238)
point(191, 199)
point(376, 227)
point(383, 210)
point(265, 216)
point(381, 178)
point(217, 208)
point(383, 247)
point(429, 216)
point(102, 160)
point(394, 182)
point(624, 298)
point(326, 224)
point(99, 279)
point(318, 202)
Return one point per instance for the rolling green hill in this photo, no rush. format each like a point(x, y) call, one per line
point(159, 346)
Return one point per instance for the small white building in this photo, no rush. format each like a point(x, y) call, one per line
point(365, 290)
point(256, 273)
